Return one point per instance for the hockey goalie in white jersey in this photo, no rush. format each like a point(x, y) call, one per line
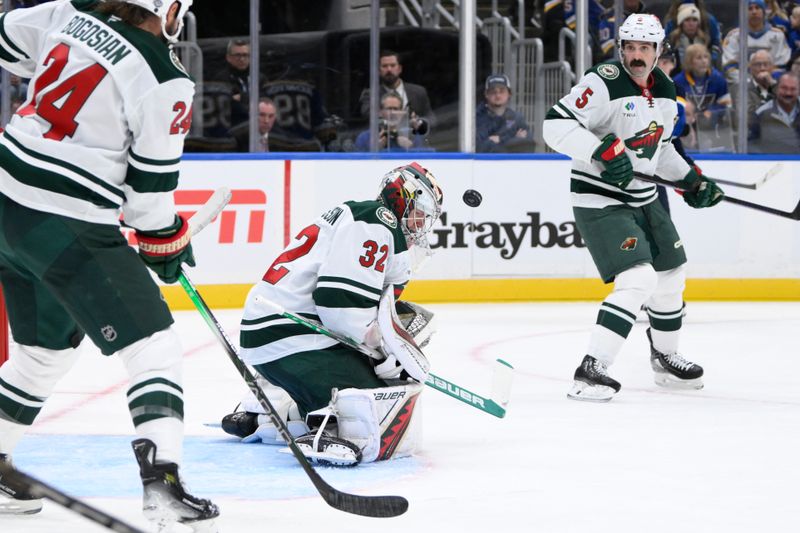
point(343, 406)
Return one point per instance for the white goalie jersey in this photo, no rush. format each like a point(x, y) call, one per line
point(102, 128)
point(606, 100)
point(334, 271)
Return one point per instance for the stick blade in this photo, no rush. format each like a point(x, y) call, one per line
point(502, 380)
point(372, 506)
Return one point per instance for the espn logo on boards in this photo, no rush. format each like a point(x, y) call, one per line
point(189, 201)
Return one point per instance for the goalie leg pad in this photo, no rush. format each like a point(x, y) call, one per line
point(381, 422)
point(284, 405)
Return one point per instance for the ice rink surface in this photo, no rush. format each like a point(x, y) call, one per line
point(724, 459)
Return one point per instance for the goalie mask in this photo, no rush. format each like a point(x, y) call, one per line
point(160, 8)
point(412, 194)
point(643, 28)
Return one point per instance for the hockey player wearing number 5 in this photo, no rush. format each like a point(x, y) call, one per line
point(619, 119)
point(101, 135)
point(344, 270)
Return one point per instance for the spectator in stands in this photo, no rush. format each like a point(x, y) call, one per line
point(760, 82)
point(266, 121)
point(688, 31)
point(777, 16)
point(795, 64)
point(498, 128)
point(560, 14)
point(689, 134)
point(708, 25)
point(794, 31)
point(775, 126)
point(236, 73)
point(702, 84)
point(302, 118)
point(397, 131)
point(761, 35)
point(413, 97)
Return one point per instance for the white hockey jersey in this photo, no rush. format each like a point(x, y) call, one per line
point(334, 272)
point(103, 125)
point(772, 39)
point(606, 100)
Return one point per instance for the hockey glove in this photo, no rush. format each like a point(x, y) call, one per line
point(700, 191)
point(611, 154)
point(164, 250)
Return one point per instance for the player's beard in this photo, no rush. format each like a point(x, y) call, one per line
point(389, 79)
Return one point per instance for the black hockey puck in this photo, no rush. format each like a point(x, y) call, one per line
point(472, 198)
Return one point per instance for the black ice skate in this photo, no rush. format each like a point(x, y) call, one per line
point(165, 498)
point(592, 382)
point(15, 499)
point(240, 424)
point(672, 370)
point(322, 448)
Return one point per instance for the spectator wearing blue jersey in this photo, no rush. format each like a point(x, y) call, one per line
point(498, 128)
point(704, 85)
point(559, 14)
point(708, 25)
point(777, 16)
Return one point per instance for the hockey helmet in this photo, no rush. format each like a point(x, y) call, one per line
point(160, 8)
point(415, 198)
point(641, 27)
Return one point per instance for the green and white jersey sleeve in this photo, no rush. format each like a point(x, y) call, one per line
point(606, 100)
point(334, 271)
point(101, 132)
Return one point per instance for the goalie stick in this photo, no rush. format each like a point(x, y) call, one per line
point(501, 381)
point(374, 506)
point(769, 174)
point(40, 489)
point(794, 214)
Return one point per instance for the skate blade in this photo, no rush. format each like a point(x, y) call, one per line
point(10, 506)
point(584, 392)
point(669, 381)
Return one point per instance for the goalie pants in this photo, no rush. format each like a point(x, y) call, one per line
point(308, 377)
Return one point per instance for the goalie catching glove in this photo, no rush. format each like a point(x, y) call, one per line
point(165, 250)
point(404, 359)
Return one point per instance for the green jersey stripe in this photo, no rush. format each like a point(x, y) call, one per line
point(341, 299)
point(156, 162)
point(143, 182)
point(5, 37)
point(347, 281)
point(581, 187)
point(598, 179)
point(255, 338)
point(68, 166)
point(566, 110)
point(270, 318)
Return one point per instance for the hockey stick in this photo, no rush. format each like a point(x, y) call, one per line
point(374, 506)
point(501, 381)
point(772, 172)
point(40, 489)
point(794, 214)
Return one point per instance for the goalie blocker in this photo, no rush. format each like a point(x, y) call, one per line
point(359, 424)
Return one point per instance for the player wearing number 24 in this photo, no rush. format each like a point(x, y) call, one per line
point(618, 119)
point(342, 270)
point(100, 136)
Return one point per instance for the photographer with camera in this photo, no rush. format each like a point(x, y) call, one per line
point(397, 132)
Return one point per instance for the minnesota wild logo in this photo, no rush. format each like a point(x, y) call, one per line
point(629, 244)
point(645, 143)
